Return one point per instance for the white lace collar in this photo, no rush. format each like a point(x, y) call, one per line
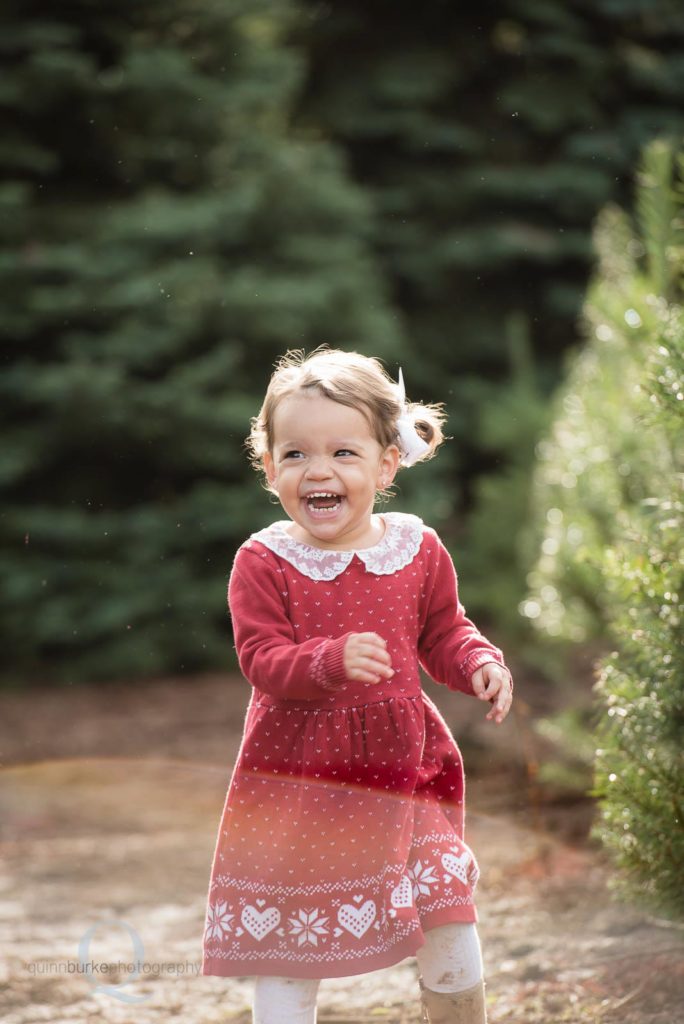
point(398, 547)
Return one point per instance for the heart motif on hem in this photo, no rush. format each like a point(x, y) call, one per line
point(357, 920)
point(457, 866)
point(402, 894)
point(260, 923)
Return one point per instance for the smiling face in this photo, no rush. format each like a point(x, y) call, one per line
point(327, 466)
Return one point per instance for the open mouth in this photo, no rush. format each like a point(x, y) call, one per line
point(321, 504)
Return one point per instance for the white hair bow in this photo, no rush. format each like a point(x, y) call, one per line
point(412, 444)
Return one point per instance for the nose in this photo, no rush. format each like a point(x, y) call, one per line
point(318, 468)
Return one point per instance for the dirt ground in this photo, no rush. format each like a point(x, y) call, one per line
point(110, 802)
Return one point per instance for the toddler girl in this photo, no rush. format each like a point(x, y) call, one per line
point(340, 849)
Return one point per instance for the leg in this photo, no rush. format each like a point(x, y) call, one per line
point(451, 982)
point(285, 1000)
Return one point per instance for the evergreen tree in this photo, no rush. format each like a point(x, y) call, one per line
point(609, 488)
point(488, 138)
point(166, 237)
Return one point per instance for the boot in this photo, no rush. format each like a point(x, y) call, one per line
point(453, 1007)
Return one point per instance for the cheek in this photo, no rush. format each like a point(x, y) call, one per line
point(288, 475)
point(361, 478)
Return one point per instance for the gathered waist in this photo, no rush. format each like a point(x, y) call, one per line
point(339, 701)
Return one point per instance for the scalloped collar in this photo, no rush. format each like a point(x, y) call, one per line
point(398, 547)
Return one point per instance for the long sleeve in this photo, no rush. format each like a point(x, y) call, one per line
point(269, 656)
point(450, 646)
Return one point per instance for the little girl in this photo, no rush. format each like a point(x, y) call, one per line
point(340, 849)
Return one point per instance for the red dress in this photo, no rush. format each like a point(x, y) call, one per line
point(341, 839)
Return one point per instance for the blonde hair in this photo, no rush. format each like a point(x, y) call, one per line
point(351, 379)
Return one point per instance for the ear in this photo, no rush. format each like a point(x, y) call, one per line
point(388, 466)
point(269, 469)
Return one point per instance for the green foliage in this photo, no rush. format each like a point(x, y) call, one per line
point(488, 136)
point(604, 458)
point(507, 424)
point(610, 482)
point(167, 237)
point(640, 763)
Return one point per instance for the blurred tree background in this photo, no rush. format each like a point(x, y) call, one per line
point(168, 237)
point(190, 189)
point(488, 138)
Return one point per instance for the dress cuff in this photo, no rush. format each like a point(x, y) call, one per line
point(327, 664)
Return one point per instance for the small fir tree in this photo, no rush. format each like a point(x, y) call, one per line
point(609, 503)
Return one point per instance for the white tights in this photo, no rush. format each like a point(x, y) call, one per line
point(450, 961)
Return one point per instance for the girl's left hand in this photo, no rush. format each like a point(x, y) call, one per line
point(493, 682)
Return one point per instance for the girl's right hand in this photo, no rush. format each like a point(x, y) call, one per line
point(366, 658)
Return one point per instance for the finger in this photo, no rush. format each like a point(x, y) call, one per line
point(501, 705)
point(361, 675)
point(496, 710)
point(377, 666)
point(373, 638)
point(477, 683)
point(364, 643)
point(494, 683)
point(372, 667)
point(382, 657)
point(500, 715)
point(374, 652)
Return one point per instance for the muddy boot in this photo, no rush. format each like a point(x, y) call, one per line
point(453, 1007)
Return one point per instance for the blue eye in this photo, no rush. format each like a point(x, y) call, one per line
point(287, 455)
point(345, 451)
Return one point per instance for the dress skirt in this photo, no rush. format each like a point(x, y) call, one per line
point(341, 840)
